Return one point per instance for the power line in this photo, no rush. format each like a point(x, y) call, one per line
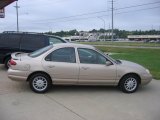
point(139, 10)
point(78, 15)
point(86, 18)
point(139, 5)
point(106, 15)
point(57, 1)
point(98, 12)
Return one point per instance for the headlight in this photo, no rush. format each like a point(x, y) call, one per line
point(147, 71)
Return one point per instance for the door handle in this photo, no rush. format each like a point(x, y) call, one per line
point(51, 66)
point(85, 68)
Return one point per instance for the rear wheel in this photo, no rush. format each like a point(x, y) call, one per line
point(129, 83)
point(6, 62)
point(40, 83)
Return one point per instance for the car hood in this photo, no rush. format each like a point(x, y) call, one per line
point(132, 65)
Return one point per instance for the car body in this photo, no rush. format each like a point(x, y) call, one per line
point(23, 42)
point(75, 64)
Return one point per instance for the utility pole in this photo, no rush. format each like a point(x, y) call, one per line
point(17, 15)
point(112, 20)
point(109, 32)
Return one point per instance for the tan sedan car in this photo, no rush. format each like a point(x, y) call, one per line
point(75, 64)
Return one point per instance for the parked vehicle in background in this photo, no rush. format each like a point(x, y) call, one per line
point(23, 42)
point(75, 64)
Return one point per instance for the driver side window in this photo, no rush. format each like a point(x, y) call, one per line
point(90, 56)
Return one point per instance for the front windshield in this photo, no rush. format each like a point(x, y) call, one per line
point(40, 51)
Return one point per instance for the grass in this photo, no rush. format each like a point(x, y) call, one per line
point(138, 44)
point(149, 58)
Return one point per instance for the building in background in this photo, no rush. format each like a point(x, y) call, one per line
point(145, 38)
point(84, 36)
point(3, 4)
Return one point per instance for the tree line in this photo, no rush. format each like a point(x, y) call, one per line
point(118, 33)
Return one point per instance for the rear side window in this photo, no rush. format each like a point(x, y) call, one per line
point(54, 40)
point(62, 55)
point(10, 40)
point(33, 42)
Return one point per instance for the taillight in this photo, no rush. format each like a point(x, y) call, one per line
point(12, 62)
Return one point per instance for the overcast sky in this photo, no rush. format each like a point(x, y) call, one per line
point(55, 15)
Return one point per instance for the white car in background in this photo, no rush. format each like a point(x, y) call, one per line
point(75, 64)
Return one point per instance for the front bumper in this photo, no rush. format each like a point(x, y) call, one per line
point(17, 75)
point(146, 78)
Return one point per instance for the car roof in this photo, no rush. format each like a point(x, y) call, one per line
point(28, 33)
point(73, 45)
point(31, 33)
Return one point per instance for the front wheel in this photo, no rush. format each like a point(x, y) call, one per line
point(129, 83)
point(40, 83)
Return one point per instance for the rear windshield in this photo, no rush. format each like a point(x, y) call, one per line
point(40, 51)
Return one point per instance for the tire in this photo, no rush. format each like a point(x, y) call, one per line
point(6, 62)
point(40, 83)
point(129, 83)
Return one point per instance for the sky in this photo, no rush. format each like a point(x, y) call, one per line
point(57, 15)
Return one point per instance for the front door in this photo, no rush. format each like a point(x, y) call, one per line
point(93, 68)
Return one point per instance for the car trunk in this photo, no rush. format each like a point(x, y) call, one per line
point(18, 61)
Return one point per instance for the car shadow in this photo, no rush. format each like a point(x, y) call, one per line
point(82, 89)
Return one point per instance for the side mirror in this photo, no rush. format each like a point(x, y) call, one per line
point(108, 63)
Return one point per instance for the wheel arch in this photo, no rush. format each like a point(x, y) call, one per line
point(6, 56)
point(130, 74)
point(36, 72)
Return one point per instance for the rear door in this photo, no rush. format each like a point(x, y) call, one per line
point(32, 42)
point(62, 66)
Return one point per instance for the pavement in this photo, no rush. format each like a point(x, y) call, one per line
point(18, 102)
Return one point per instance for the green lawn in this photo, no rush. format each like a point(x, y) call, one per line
point(139, 44)
point(149, 58)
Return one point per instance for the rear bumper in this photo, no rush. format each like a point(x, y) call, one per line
point(17, 75)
